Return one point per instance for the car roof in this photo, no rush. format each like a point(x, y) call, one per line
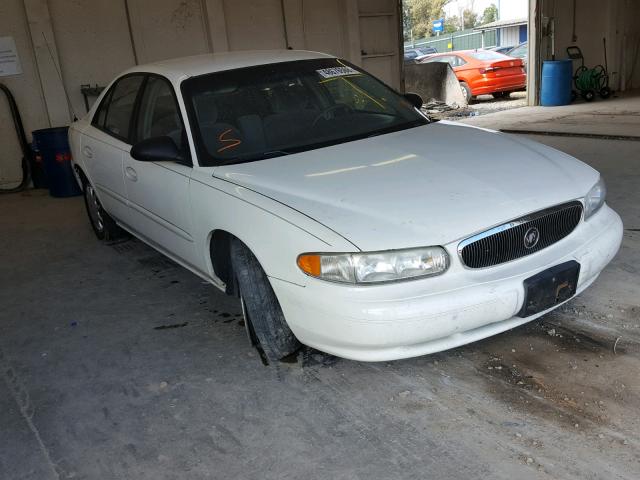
point(177, 69)
point(461, 53)
point(454, 52)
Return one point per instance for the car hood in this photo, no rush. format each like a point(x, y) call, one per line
point(428, 185)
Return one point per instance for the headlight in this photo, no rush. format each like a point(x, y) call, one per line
point(595, 198)
point(375, 267)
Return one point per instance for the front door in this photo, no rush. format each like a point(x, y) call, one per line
point(158, 192)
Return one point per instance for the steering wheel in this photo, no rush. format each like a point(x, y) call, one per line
point(329, 113)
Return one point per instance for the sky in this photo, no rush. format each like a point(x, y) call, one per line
point(509, 9)
point(455, 6)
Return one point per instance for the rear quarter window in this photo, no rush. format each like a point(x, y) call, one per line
point(101, 113)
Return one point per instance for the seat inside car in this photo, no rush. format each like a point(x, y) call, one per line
point(224, 134)
point(291, 114)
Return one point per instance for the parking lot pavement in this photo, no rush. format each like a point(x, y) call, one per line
point(134, 368)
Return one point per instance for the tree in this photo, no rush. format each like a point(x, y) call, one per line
point(490, 14)
point(470, 18)
point(455, 23)
point(420, 14)
point(452, 24)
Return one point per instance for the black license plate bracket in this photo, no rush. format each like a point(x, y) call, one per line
point(550, 287)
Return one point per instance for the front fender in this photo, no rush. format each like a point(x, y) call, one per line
point(275, 233)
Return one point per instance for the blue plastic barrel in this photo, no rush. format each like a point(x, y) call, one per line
point(52, 145)
point(555, 89)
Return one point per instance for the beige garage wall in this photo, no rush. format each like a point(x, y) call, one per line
point(93, 40)
point(93, 43)
point(25, 88)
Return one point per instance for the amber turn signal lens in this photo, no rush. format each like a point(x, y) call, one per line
point(310, 264)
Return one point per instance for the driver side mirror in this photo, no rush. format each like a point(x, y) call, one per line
point(157, 149)
point(414, 99)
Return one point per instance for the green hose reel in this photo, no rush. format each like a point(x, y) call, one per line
point(589, 81)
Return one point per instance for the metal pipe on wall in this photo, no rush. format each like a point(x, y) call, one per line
point(133, 45)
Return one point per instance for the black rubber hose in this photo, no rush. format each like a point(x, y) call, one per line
point(22, 138)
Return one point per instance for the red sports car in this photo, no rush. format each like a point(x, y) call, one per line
point(484, 72)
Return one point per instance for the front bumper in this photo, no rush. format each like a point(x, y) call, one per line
point(408, 319)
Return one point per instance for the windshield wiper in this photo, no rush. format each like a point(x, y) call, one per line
point(396, 128)
point(258, 156)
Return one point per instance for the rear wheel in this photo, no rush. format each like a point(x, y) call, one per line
point(264, 319)
point(103, 225)
point(466, 91)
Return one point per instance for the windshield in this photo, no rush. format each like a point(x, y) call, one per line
point(270, 110)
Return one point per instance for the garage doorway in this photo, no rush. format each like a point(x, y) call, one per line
point(484, 42)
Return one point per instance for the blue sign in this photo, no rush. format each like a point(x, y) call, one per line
point(438, 25)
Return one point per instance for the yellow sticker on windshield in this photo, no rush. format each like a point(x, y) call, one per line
point(337, 72)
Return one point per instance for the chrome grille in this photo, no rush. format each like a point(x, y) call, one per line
point(507, 242)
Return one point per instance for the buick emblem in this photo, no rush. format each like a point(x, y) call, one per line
point(531, 237)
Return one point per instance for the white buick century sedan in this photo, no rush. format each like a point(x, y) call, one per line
point(340, 216)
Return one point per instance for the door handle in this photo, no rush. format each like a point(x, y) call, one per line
point(131, 174)
point(87, 152)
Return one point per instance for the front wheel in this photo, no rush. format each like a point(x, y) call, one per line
point(103, 225)
point(264, 319)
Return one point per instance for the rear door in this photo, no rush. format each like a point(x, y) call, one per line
point(105, 143)
point(158, 192)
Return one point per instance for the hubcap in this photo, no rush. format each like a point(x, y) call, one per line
point(95, 209)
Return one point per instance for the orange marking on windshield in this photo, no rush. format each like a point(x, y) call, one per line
point(232, 142)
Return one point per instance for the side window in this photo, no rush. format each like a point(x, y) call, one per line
point(159, 115)
point(120, 106)
point(444, 59)
point(457, 61)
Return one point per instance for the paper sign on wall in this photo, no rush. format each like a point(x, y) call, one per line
point(9, 60)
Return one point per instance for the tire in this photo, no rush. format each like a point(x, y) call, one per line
point(466, 91)
point(588, 95)
point(103, 225)
point(605, 92)
point(264, 319)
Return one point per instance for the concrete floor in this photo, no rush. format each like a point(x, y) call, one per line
point(617, 116)
point(95, 387)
